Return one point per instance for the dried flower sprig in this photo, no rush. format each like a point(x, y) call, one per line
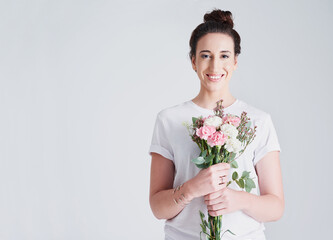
point(246, 133)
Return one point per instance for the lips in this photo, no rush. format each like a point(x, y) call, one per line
point(214, 77)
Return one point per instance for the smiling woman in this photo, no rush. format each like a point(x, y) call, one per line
point(178, 189)
point(215, 61)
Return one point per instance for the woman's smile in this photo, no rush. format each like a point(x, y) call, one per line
point(215, 77)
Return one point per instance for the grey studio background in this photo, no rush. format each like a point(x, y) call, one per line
point(81, 83)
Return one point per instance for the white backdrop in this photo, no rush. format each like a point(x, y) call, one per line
point(81, 83)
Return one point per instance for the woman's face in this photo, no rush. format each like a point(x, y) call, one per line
point(215, 60)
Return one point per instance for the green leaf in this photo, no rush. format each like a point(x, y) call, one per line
point(234, 164)
point(209, 159)
point(230, 232)
point(250, 183)
point(200, 235)
point(241, 183)
point(201, 166)
point(247, 189)
point(203, 227)
point(206, 223)
point(201, 215)
point(207, 237)
point(234, 175)
point(198, 160)
point(225, 232)
point(194, 119)
point(245, 174)
point(232, 157)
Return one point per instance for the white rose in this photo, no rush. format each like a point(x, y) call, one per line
point(233, 145)
point(214, 121)
point(229, 130)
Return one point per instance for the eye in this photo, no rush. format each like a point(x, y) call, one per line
point(205, 56)
point(225, 56)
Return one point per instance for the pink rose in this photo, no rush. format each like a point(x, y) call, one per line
point(205, 131)
point(217, 138)
point(233, 120)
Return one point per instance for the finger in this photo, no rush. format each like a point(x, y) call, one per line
point(216, 207)
point(214, 195)
point(217, 213)
point(223, 179)
point(217, 200)
point(220, 186)
point(221, 182)
point(221, 166)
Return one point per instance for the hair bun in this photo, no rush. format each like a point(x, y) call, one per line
point(218, 15)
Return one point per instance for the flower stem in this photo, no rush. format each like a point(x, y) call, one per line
point(215, 227)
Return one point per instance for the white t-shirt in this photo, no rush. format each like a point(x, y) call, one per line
point(171, 140)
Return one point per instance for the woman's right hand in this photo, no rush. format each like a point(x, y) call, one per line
point(209, 180)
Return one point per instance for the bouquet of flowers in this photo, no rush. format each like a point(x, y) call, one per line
point(221, 138)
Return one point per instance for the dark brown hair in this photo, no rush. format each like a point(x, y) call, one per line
point(217, 21)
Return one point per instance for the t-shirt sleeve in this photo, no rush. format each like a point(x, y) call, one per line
point(160, 142)
point(267, 140)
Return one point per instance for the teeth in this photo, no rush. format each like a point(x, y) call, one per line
point(215, 77)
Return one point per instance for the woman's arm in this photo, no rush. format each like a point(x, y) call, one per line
point(269, 206)
point(161, 188)
point(162, 194)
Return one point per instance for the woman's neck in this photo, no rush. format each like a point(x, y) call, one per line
point(208, 99)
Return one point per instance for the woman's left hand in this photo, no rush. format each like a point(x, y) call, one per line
point(224, 201)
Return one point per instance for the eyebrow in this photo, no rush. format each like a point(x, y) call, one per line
point(223, 51)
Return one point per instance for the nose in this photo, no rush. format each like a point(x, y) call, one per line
point(215, 65)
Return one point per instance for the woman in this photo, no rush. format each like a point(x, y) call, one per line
point(178, 189)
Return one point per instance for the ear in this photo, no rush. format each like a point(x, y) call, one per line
point(193, 63)
point(236, 62)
